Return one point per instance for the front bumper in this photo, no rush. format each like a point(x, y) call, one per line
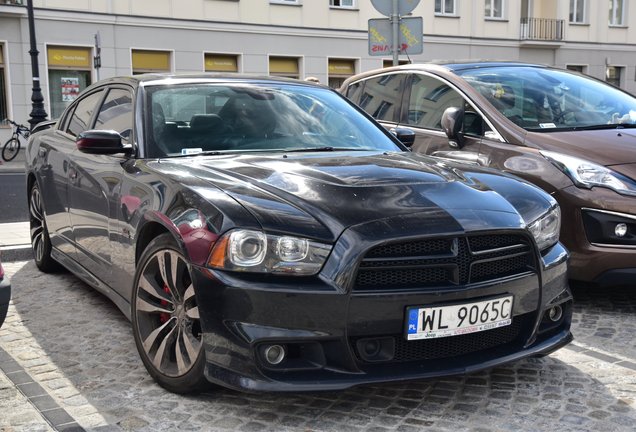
point(5, 297)
point(319, 325)
point(596, 257)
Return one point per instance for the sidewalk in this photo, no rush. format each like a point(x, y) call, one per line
point(15, 241)
point(16, 165)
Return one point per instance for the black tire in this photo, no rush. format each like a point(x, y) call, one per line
point(11, 149)
point(165, 318)
point(40, 240)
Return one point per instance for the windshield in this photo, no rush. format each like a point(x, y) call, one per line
point(540, 99)
point(188, 119)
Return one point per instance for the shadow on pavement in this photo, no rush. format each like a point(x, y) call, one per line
point(91, 344)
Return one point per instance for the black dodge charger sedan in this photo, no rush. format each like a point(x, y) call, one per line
point(266, 234)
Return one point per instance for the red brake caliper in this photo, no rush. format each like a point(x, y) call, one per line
point(164, 316)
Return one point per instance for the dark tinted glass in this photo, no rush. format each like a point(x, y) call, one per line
point(195, 118)
point(382, 96)
point(83, 113)
point(429, 97)
point(354, 91)
point(116, 113)
point(543, 99)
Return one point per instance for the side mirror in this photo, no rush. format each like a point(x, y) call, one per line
point(101, 142)
point(405, 135)
point(452, 124)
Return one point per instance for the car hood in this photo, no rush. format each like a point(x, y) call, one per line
point(606, 147)
point(320, 194)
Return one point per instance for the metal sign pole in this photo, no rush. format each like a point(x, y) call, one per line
point(395, 21)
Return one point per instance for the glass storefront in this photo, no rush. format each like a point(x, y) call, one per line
point(70, 72)
point(340, 70)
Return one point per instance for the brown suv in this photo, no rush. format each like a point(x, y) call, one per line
point(568, 133)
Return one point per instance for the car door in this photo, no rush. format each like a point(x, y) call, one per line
point(95, 186)
point(57, 149)
point(426, 97)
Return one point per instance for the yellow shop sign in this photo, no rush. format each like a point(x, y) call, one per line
point(76, 57)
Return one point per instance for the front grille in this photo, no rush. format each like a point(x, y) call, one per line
point(444, 262)
point(453, 346)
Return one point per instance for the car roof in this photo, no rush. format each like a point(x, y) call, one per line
point(174, 78)
point(449, 66)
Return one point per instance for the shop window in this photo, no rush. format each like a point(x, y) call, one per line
point(339, 71)
point(149, 61)
point(69, 72)
point(221, 63)
point(284, 67)
point(389, 63)
point(576, 68)
point(613, 75)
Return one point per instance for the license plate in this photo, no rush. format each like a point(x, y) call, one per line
point(443, 321)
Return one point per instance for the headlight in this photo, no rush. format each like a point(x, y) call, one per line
point(588, 174)
point(545, 229)
point(255, 251)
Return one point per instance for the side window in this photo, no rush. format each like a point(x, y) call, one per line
point(429, 97)
point(382, 96)
point(116, 113)
point(354, 91)
point(83, 112)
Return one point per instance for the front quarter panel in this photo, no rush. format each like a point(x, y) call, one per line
point(154, 201)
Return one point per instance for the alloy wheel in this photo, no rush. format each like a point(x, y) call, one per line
point(37, 225)
point(167, 315)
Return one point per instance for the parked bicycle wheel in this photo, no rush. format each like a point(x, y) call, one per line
point(11, 149)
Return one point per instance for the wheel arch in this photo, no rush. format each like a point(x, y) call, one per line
point(146, 234)
point(189, 229)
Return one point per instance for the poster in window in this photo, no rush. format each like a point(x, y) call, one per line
point(70, 89)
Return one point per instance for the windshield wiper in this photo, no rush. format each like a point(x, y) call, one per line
point(203, 153)
point(584, 128)
point(606, 126)
point(326, 149)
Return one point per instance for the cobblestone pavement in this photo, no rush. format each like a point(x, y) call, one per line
point(74, 355)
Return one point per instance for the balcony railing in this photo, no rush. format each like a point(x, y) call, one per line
point(12, 2)
point(542, 29)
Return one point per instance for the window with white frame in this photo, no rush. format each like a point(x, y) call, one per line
point(345, 4)
point(577, 11)
point(445, 7)
point(291, 2)
point(616, 12)
point(494, 9)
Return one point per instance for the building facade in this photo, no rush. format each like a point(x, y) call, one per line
point(326, 39)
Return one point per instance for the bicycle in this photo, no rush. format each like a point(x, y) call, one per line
point(12, 146)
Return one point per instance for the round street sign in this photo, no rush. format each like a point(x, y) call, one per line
point(385, 7)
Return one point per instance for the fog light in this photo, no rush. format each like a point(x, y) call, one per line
point(620, 230)
point(371, 348)
point(555, 313)
point(274, 354)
